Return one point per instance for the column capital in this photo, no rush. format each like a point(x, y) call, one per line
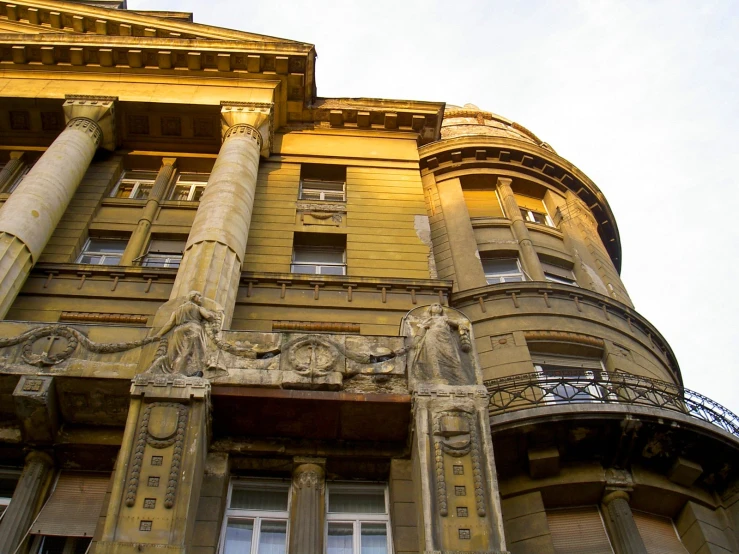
point(99, 110)
point(257, 115)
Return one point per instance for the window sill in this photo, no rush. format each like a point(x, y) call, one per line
point(546, 229)
point(482, 222)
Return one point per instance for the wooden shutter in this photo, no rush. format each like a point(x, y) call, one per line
point(659, 534)
point(482, 202)
point(74, 506)
point(578, 531)
point(530, 203)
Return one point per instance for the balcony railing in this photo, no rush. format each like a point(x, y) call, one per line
point(529, 390)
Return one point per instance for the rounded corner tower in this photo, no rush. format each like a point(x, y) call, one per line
point(586, 395)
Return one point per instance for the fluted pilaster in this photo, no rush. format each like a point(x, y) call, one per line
point(26, 499)
point(135, 246)
point(529, 257)
point(10, 170)
point(625, 536)
point(308, 509)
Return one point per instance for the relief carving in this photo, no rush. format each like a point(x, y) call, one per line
point(184, 350)
point(441, 347)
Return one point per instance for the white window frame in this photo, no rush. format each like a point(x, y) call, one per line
point(86, 252)
point(125, 179)
point(495, 278)
point(256, 515)
point(554, 278)
point(169, 260)
point(596, 393)
point(194, 186)
point(316, 184)
point(528, 216)
point(318, 266)
point(358, 518)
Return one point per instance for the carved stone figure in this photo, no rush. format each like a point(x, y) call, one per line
point(437, 345)
point(187, 344)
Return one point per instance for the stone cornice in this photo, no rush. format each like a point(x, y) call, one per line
point(640, 327)
point(83, 18)
point(471, 152)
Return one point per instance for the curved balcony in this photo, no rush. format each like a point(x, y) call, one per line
point(592, 393)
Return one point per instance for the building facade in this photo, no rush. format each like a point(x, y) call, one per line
point(241, 318)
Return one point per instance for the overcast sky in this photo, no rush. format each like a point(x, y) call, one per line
point(643, 96)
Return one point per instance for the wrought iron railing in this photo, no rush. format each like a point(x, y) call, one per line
point(520, 392)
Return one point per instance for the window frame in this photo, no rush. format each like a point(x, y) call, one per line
point(356, 519)
point(342, 265)
point(528, 216)
point(501, 278)
point(194, 186)
point(555, 278)
point(257, 516)
point(596, 393)
point(321, 193)
point(86, 252)
point(70, 543)
point(136, 186)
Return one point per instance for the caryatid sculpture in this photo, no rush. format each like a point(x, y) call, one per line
point(441, 347)
point(184, 351)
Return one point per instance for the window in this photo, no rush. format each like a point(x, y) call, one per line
point(256, 518)
point(480, 196)
point(102, 251)
point(533, 210)
point(568, 379)
point(558, 274)
point(17, 178)
point(323, 182)
point(319, 254)
point(135, 185)
point(8, 481)
point(357, 520)
point(578, 531)
point(164, 253)
point(189, 187)
point(67, 521)
point(502, 270)
point(658, 533)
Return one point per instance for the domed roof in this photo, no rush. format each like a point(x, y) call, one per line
point(469, 120)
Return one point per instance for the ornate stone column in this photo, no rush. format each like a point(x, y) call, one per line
point(452, 447)
point(215, 247)
point(32, 212)
point(26, 501)
point(529, 257)
point(137, 242)
point(10, 169)
point(307, 511)
point(462, 243)
point(159, 471)
point(622, 529)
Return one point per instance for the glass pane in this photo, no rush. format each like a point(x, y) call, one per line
point(500, 266)
point(198, 194)
point(154, 262)
point(272, 537)
point(318, 256)
point(180, 192)
point(374, 538)
point(511, 278)
point(110, 260)
point(296, 268)
point(539, 218)
point(371, 502)
point(104, 245)
point(52, 545)
point(143, 191)
point(340, 538)
point(271, 499)
point(333, 270)
point(238, 536)
point(82, 545)
point(87, 259)
point(124, 191)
